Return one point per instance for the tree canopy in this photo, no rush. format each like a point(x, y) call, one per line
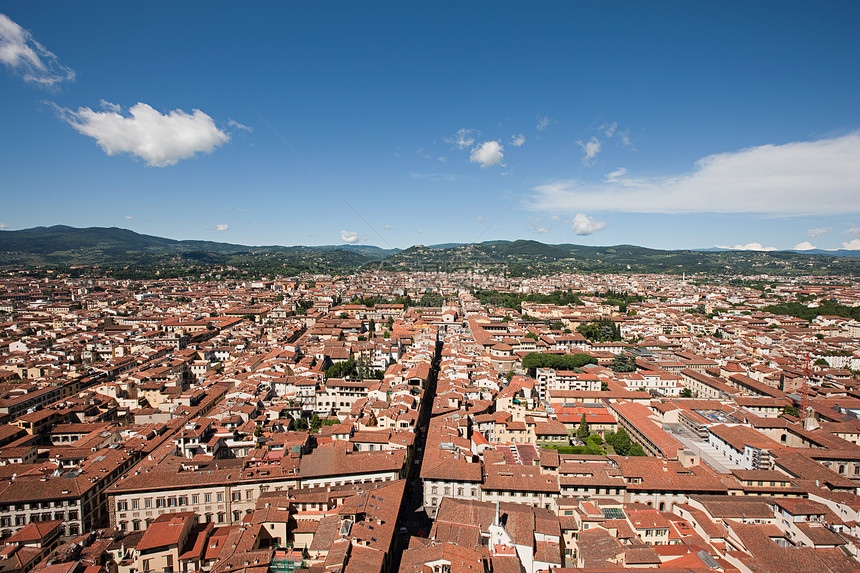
point(602, 330)
point(534, 360)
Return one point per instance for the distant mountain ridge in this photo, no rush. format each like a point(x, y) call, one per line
point(63, 246)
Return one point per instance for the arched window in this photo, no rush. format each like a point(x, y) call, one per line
point(662, 506)
point(783, 438)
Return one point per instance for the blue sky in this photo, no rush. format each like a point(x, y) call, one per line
point(667, 125)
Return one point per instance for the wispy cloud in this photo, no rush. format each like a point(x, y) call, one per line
point(387, 227)
point(591, 149)
point(159, 139)
point(24, 56)
point(748, 247)
point(480, 219)
point(812, 233)
point(544, 122)
point(808, 177)
point(463, 138)
point(349, 236)
point(435, 176)
point(518, 140)
point(536, 227)
point(222, 227)
point(236, 125)
point(129, 217)
point(487, 154)
point(584, 225)
point(4, 226)
point(614, 176)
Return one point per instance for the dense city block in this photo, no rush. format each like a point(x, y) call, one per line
point(429, 421)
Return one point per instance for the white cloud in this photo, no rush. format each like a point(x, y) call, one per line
point(387, 227)
point(222, 227)
point(421, 231)
point(435, 176)
point(518, 140)
point(487, 154)
point(748, 247)
point(614, 176)
point(544, 122)
point(159, 139)
point(555, 218)
point(535, 226)
point(585, 225)
point(236, 125)
point(801, 178)
point(852, 245)
point(349, 236)
point(31, 60)
point(442, 159)
point(421, 153)
point(129, 217)
point(804, 246)
point(116, 108)
point(852, 231)
point(4, 226)
point(812, 233)
point(591, 148)
point(462, 139)
point(479, 219)
point(609, 128)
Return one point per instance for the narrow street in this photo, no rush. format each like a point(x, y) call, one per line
point(412, 520)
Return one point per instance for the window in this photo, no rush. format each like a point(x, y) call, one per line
point(183, 500)
point(236, 496)
point(207, 498)
point(248, 494)
point(159, 502)
point(195, 499)
point(134, 504)
point(147, 503)
point(220, 496)
point(121, 506)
